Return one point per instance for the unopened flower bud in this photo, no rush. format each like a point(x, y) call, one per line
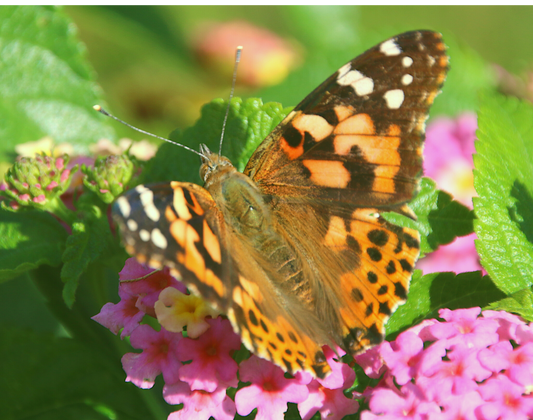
point(110, 176)
point(35, 181)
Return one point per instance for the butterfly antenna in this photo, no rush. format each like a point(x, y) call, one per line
point(237, 60)
point(107, 114)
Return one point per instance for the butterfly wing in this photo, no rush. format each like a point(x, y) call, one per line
point(177, 225)
point(358, 137)
point(352, 149)
point(357, 266)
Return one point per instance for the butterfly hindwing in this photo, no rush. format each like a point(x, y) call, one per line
point(372, 290)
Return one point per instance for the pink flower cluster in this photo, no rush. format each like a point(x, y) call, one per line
point(466, 367)
point(198, 367)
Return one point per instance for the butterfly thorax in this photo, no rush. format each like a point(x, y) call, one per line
point(248, 215)
point(235, 194)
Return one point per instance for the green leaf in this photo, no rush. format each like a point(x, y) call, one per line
point(60, 379)
point(27, 240)
point(249, 122)
point(89, 240)
point(46, 86)
point(440, 218)
point(520, 303)
point(429, 293)
point(503, 178)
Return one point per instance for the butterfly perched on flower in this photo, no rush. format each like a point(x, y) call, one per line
point(294, 249)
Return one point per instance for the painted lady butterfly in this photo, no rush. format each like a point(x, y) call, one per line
point(294, 249)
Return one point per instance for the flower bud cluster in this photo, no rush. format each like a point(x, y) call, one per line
point(110, 176)
point(35, 181)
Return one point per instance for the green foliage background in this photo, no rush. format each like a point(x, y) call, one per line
point(56, 63)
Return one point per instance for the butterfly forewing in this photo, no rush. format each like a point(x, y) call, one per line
point(358, 137)
point(323, 267)
point(177, 225)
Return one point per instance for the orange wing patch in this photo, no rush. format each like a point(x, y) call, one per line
point(327, 173)
point(192, 240)
point(303, 128)
point(380, 282)
point(273, 338)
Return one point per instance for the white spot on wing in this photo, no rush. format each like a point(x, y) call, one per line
point(140, 189)
point(132, 225)
point(344, 69)
point(431, 60)
point(407, 79)
point(158, 239)
point(359, 82)
point(390, 48)
point(124, 206)
point(407, 61)
point(144, 234)
point(147, 200)
point(394, 98)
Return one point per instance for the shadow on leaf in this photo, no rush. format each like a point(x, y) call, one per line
point(522, 211)
point(449, 213)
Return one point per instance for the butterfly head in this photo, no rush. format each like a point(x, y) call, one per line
point(212, 163)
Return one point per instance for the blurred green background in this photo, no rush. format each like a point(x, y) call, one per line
point(146, 62)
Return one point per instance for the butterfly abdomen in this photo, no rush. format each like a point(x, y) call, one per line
point(247, 214)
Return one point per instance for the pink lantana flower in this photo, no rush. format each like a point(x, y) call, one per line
point(504, 400)
point(269, 391)
point(199, 405)
point(459, 366)
point(518, 362)
point(455, 376)
point(138, 290)
point(332, 404)
point(124, 315)
point(461, 407)
point(371, 361)
point(159, 355)
point(509, 325)
point(409, 403)
point(464, 327)
point(403, 356)
point(448, 161)
point(212, 365)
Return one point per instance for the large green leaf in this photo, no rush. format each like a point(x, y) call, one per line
point(46, 86)
point(520, 302)
point(90, 239)
point(440, 218)
point(49, 378)
point(27, 240)
point(503, 178)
